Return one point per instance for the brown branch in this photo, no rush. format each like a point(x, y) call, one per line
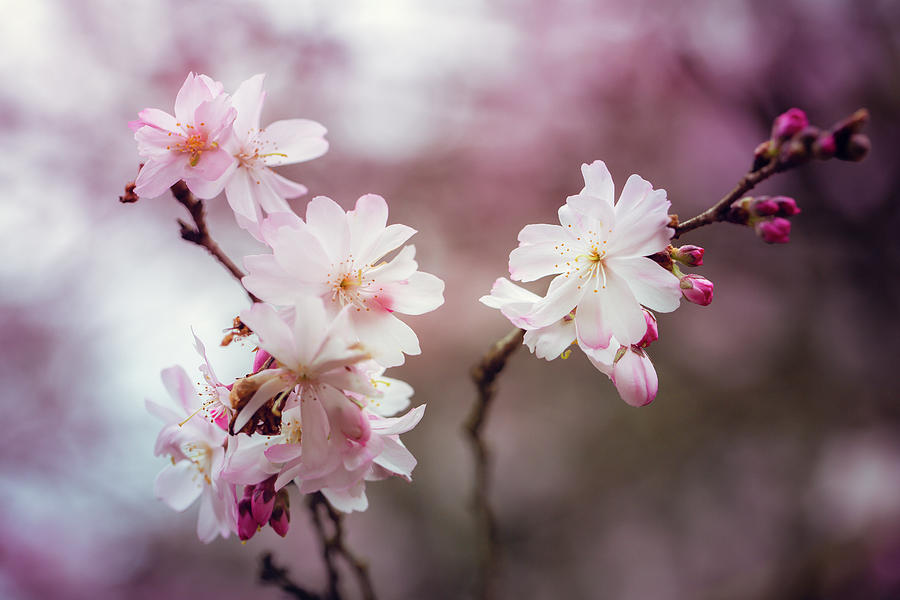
point(199, 232)
point(271, 574)
point(333, 546)
point(484, 375)
point(719, 210)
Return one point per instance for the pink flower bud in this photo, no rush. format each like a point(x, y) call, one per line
point(260, 359)
point(774, 231)
point(263, 501)
point(788, 124)
point(689, 255)
point(247, 525)
point(787, 207)
point(635, 378)
point(764, 206)
point(697, 289)
point(652, 333)
point(281, 514)
point(824, 147)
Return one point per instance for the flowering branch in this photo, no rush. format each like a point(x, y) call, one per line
point(484, 374)
point(619, 352)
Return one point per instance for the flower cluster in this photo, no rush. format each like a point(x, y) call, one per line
point(316, 409)
point(612, 265)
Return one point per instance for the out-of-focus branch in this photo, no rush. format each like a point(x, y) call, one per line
point(272, 574)
point(333, 546)
point(484, 375)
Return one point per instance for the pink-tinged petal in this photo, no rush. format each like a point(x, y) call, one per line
point(594, 321)
point(283, 453)
point(179, 485)
point(314, 441)
point(599, 216)
point(635, 378)
point(266, 195)
point(163, 413)
point(366, 221)
point(158, 119)
point(268, 280)
point(285, 187)
point(239, 192)
point(155, 144)
point(396, 458)
point(262, 395)
point(212, 165)
point(602, 358)
point(348, 380)
point(531, 262)
point(542, 233)
point(653, 286)
point(392, 237)
point(213, 120)
point(248, 102)
point(641, 220)
point(598, 182)
point(386, 337)
point(421, 293)
point(398, 425)
point(157, 176)
point(207, 522)
point(274, 332)
point(205, 189)
point(348, 500)
point(563, 295)
point(309, 328)
point(328, 222)
point(292, 141)
point(246, 462)
point(622, 309)
point(301, 253)
point(514, 302)
point(551, 341)
point(180, 388)
point(193, 92)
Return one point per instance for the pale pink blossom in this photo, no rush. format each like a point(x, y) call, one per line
point(196, 449)
point(252, 188)
point(186, 146)
point(340, 257)
point(599, 256)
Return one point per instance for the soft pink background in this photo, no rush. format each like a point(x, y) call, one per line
point(769, 465)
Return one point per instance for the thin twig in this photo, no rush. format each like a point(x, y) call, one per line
point(199, 233)
point(271, 574)
point(333, 546)
point(484, 374)
point(719, 210)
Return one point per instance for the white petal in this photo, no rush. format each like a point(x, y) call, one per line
point(398, 425)
point(239, 192)
point(599, 217)
point(248, 101)
point(180, 388)
point(421, 293)
point(395, 396)
point(158, 175)
point(598, 182)
point(274, 332)
point(564, 294)
point(269, 281)
point(367, 221)
point(328, 222)
point(179, 485)
point(285, 187)
point(534, 261)
point(386, 337)
point(594, 323)
point(292, 141)
point(623, 310)
point(348, 500)
point(396, 458)
point(551, 341)
point(392, 237)
point(653, 286)
point(542, 233)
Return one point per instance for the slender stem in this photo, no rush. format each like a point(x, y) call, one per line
point(199, 232)
point(333, 546)
point(719, 210)
point(484, 375)
point(272, 574)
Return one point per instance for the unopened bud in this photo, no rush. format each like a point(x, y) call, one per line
point(787, 207)
point(774, 231)
point(263, 501)
point(763, 154)
point(652, 333)
point(824, 147)
point(788, 124)
point(739, 212)
point(795, 153)
point(247, 525)
point(763, 206)
point(281, 513)
point(635, 378)
point(697, 289)
point(688, 255)
point(855, 149)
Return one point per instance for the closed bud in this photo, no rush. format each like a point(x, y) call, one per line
point(787, 207)
point(788, 124)
point(652, 333)
point(795, 153)
point(247, 525)
point(688, 255)
point(763, 154)
point(697, 289)
point(739, 211)
point(774, 231)
point(280, 520)
point(824, 147)
point(763, 206)
point(635, 378)
point(263, 501)
point(855, 149)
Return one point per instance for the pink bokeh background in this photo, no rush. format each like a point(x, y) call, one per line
point(768, 466)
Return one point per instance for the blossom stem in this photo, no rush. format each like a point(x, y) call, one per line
point(274, 575)
point(484, 375)
point(199, 232)
point(719, 210)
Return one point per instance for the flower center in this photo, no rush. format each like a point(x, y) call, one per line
point(352, 287)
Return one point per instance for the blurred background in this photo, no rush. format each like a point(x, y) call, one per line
point(767, 467)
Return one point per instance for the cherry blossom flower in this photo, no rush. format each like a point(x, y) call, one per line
point(251, 186)
point(628, 366)
point(196, 449)
point(187, 146)
point(340, 257)
point(599, 256)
